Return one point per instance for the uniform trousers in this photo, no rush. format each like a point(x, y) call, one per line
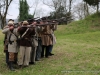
point(24, 55)
point(45, 51)
point(11, 56)
point(33, 54)
point(7, 56)
point(50, 48)
point(39, 49)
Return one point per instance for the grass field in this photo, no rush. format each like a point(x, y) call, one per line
point(75, 54)
point(77, 51)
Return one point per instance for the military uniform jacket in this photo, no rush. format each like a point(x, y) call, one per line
point(46, 36)
point(11, 47)
point(26, 39)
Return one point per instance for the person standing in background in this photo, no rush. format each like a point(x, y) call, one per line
point(53, 28)
point(25, 44)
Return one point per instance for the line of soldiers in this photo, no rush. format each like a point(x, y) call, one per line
point(28, 43)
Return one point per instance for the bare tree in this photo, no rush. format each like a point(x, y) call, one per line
point(55, 4)
point(33, 4)
point(70, 5)
point(86, 9)
point(81, 10)
point(3, 11)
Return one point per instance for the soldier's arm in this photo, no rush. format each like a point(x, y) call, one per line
point(5, 29)
point(15, 31)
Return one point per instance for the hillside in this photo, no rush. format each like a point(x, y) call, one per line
point(89, 24)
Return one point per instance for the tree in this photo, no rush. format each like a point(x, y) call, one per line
point(4, 5)
point(62, 8)
point(80, 10)
point(56, 5)
point(24, 9)
point(86, 9)
point(69, 14)
point(93, 3)
point(70, 4)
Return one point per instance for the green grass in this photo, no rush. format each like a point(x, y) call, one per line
point(89, 24)
point(77, 52)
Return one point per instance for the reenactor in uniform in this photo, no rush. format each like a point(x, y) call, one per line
point(39, 47)
point(25, 44)
point(46, 40)
point(11, 37)
point(34, 40)
point(53, 28)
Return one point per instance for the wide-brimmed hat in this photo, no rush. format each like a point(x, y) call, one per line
point(10, 23)
point(25, 23)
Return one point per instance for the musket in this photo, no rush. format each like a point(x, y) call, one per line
point(45, 24)
point(33, 26)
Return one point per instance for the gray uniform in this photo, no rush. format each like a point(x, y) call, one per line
point(11, 47)
point(12, 44)
point(34, 40)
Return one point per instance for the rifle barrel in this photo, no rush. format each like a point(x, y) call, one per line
point(32, 26)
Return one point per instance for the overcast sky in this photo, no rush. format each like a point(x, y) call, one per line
point(13, 11)
point(42, 10)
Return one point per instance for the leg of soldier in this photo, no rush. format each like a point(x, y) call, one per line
point(33, 55)
point(37, 53)
point(27, 56)
point(7, 57)
point(6, 54)
point(47, 51)
point(42, 53)
point(15, 58)
point(11, 60)
point(50, 50)
point(21, 55)
point(39, 49)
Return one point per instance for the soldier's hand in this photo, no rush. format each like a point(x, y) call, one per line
point(28, 26)
point(11, 27)
point(18, 28)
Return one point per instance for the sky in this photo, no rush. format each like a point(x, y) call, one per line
point(13, 10)
point(42, 10)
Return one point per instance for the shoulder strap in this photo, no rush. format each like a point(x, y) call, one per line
point(9, 38)
point(25, 32)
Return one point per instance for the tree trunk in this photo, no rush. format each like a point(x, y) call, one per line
point(6, 4)
point(87, 9)
point(97, 7)
point(70, 3)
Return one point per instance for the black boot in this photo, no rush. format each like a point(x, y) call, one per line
point(50, 54)
point(32, 63)
point(11, 66)
point(15, 62)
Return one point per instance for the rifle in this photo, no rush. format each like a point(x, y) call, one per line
point(33, 26)
point(38, 20)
